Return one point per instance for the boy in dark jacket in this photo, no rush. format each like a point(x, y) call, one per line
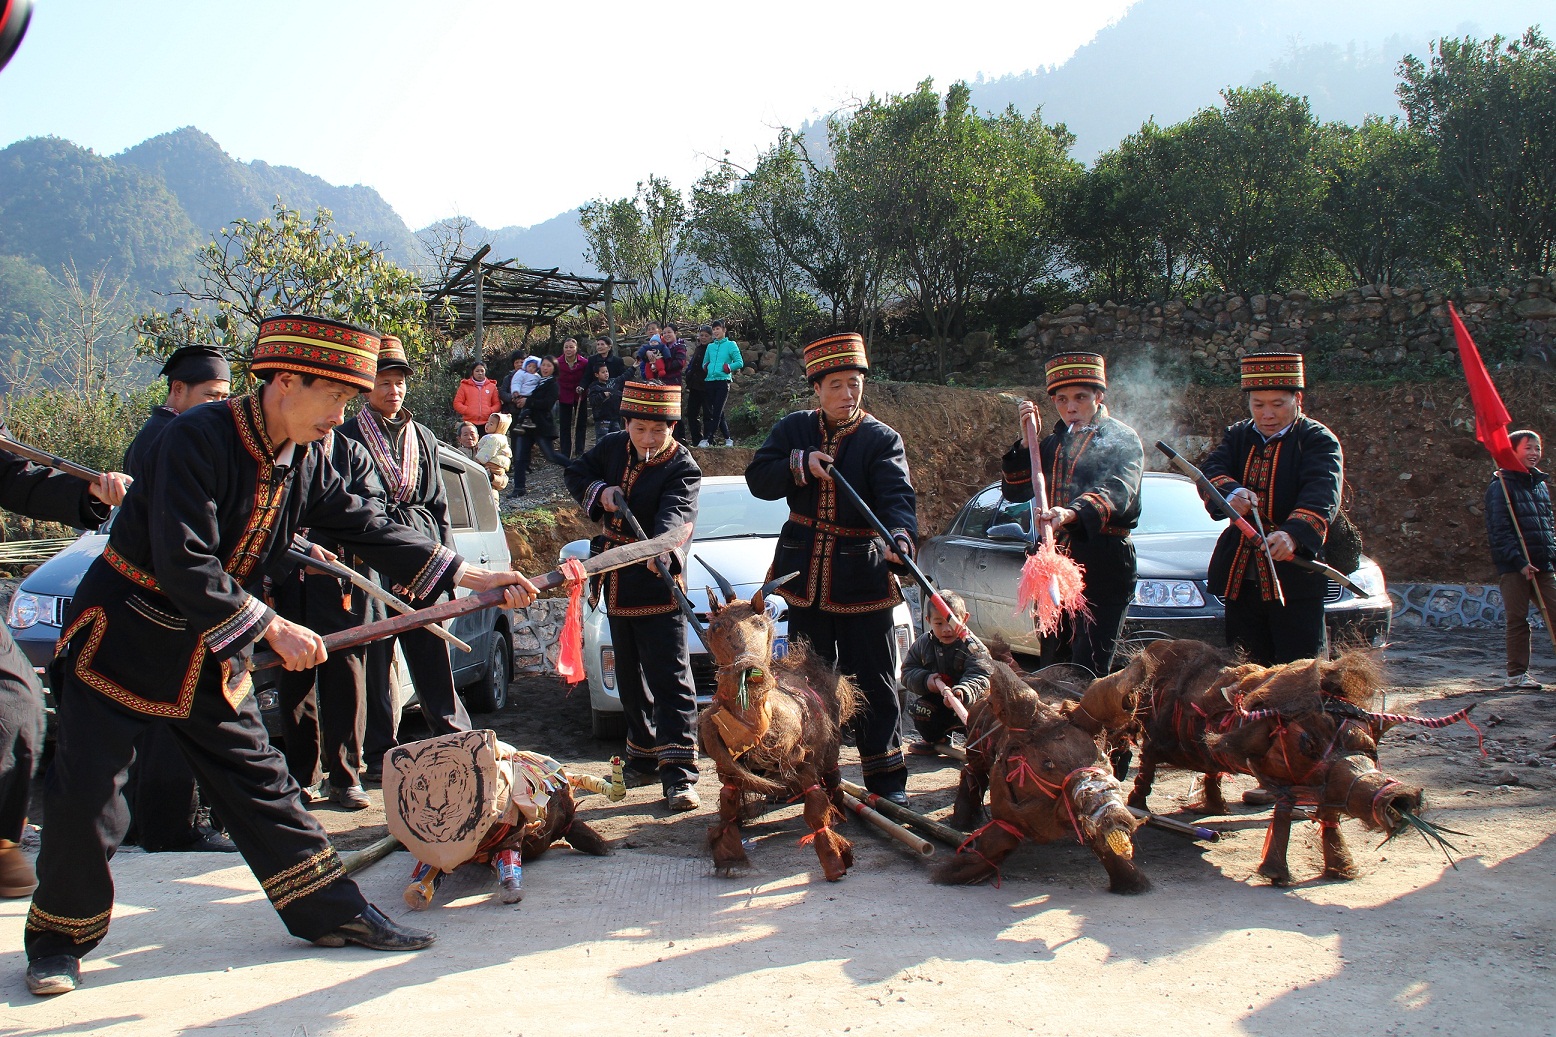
point(942, 664)
point(605, 402)
point(1523, 553)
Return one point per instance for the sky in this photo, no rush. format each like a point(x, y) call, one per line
point(505, 111)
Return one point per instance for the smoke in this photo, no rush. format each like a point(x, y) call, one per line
point(1153, 403)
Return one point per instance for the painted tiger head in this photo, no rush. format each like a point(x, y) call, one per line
point(442, 795)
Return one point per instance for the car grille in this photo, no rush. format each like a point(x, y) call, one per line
point(61, 610)
point(1332, 592)
point(705, 676)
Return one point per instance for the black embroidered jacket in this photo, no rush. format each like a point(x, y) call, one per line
point(172, 602)
point(1297, 477)
point(661, 491)
point(1094, 470)
point(840, 560)
point(145, 442)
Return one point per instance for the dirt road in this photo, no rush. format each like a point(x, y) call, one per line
point(648, 941)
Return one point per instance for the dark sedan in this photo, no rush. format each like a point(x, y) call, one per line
point(981, 558)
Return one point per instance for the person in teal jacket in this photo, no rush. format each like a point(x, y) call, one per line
point(720, 360)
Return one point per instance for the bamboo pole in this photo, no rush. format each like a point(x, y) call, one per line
point(371, 854)
point(888, 827)
point(911, 818)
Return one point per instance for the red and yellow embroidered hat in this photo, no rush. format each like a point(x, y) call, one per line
point(843, 352)
point(317, 346)
point(652, 401)
point(1272, 371)
point(1075, 369)
point(391, 355)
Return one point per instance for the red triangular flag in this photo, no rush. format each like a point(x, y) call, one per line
point(1491, 417)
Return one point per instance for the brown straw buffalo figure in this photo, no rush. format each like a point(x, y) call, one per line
point(1303, 729)
point(1047, 779)
point(773, 729)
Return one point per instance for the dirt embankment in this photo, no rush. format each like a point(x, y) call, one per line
point(1416, 478)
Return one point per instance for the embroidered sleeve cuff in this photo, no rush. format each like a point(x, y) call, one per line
point(797, 467)
point(434, 577)
point(1093, 511)
point(591, 499)
point(1308, 528)
point(241, 628)
point(901, 534)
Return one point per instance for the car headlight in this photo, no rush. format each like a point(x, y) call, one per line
point(1370, 579)
point(30, 610)
point(1168, 594)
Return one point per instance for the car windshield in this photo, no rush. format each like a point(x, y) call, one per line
point(1173, 506)
point(727, 510)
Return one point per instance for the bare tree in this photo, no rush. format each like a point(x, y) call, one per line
point(82, 342)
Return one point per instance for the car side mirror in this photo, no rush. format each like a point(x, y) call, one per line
point(577, 550)
point(1008, 531)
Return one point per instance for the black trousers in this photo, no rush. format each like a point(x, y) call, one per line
point(160, 790)
point(21, 735)
point(574, 419)
point(244, 776)
point(1268, 633)
point(1091, 643)
point(860, 646)
point(654, 680)
point(324, 709)
point(427, 658)
point(715, 395)
point(690, 430)
point(523, 449)
point(934, 719)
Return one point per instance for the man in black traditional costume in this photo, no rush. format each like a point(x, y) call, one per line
point(842, 600)
point(50, 496)
point(324, 709)
point(1092, 465)
point(645, 469)
point(1290, 468)
point(161, 627)
point(160, 788)
point(405, 455)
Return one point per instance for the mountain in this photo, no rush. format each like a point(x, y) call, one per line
point(61, 203)
point(216, 189)
point(1166, 59)
point(557, 242)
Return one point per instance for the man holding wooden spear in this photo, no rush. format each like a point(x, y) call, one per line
point(1522, 532)
point(162, 625)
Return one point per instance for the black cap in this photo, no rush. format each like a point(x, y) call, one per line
point(195, 364)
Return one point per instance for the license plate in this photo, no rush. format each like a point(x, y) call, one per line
point(780, 647)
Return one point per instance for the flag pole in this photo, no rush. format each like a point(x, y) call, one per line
point(1539, 598)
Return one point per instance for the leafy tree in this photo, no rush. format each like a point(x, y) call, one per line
point(288, 264)
point(1381, 199)
point(1490, 109)
point(964, 202)
point(733, 233)
point(642, 239)
point(1244, 181)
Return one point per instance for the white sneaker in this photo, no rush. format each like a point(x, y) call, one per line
point(729, 442)
point(1524, 681)
point(703, 443)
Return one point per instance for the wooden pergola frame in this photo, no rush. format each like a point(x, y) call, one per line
point(483, 295)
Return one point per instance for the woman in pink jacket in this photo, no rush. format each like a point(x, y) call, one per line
point(572, 373)
point(476, 400)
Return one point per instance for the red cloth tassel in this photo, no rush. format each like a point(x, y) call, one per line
point(1052, 586)
point(569, 660)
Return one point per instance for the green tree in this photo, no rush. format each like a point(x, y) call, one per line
point(965, 203)
point(1490, 109)
point(642, 239)
point(288, 264)
point(1244, 181)
point(1381, 200)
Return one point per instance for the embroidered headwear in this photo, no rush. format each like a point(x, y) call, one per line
point(1272, 371)
point(391, 355)
point(195, 364)
point(843, 352)
point(651, 401)
point(1075, 369)
point(317, 346)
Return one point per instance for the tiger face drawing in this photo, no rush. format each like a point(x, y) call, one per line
point(442, 795)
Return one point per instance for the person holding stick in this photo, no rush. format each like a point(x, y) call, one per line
point(841, 602)
point(161, 628)
point(1522, 533)
point(1092, 465)
point(945, 663)
point(1285, 471)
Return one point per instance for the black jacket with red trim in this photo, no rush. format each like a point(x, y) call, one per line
point(1094, 470)
point(662, 492)
point(1297, 477)
point(840, 560)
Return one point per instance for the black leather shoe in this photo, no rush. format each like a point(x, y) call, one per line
point(211, 841)
point(57, 974)
point(899, 798)
point(378, 932)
